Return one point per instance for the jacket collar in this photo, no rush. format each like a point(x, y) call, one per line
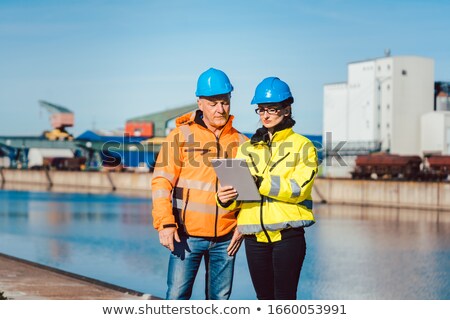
point(196, 117)
point(282, 135)
point(278, 136)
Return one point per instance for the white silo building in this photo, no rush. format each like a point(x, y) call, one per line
point(379, 108)
point(435, 133)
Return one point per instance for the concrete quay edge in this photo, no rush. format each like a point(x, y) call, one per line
point(26, 280)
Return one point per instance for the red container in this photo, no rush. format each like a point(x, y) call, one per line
point(139, 129)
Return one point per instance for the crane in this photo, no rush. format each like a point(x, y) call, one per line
point(60, 118)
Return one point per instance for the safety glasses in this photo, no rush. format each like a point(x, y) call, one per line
point(273, 110)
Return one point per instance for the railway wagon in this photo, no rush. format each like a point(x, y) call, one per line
point(387, 166)
point(63, 163)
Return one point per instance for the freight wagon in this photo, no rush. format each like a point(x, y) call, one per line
point(392, 166)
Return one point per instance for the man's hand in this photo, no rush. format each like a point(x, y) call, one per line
point(235, 243)
point(166, 237)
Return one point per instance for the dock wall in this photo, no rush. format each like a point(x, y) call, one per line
point(79, 181)
point(397, 194)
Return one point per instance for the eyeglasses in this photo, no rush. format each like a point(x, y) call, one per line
point(261, 111)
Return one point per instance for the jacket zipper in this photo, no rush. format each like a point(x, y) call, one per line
point(185, 206)
point(217, 179)
point(261, 218)
point(263, 197)
point(217, 188)
point(261, 204)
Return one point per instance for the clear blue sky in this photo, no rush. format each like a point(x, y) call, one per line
point(109, 61)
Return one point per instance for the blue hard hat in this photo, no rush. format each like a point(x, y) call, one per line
point(213, 82)
point(271, 90)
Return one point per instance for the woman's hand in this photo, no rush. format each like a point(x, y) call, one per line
point(227, 193)
point(235, 243)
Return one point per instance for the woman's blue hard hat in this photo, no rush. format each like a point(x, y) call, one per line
point(271, 90)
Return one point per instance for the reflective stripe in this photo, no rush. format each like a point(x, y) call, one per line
point(308, 204)
point(256, 228)
point(287, 224)
point(187, 133)
point(295, 189)
point(163, 174)
point(178, 203)
point(163, 193)
point(196, 184)
point(198, 207)
point(249, 228)
point(275, 186)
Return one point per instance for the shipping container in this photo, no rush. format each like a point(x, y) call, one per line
point(139, 129)
point(36, 156)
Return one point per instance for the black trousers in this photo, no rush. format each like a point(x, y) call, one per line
point(275, 267)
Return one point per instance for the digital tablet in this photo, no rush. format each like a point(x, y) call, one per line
point(235, 172)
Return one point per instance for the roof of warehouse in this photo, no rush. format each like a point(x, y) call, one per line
point(161, 118)
point(165, 115)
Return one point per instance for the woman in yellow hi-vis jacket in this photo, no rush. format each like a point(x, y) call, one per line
point(284, 165)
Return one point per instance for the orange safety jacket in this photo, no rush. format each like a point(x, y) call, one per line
point(184, 182)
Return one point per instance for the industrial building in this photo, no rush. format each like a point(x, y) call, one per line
point(435, 126)
point(441, 96)
point(134, 148)
point(378, 109)
point(435, 133)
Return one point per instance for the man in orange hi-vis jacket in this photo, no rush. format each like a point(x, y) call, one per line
point(184, 184)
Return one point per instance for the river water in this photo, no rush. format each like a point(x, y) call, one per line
point(353, 252)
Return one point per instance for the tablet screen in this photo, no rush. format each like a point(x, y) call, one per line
point(235, 172)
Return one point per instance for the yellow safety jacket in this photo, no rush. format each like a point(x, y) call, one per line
point(184, 183)
point(288, 166)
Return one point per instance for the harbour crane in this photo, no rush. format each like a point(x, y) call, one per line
point(60, 119)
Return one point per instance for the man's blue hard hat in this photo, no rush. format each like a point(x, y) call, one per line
point(213, 82)
point(271, 90)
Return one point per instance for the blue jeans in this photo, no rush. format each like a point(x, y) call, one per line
point(185, 261)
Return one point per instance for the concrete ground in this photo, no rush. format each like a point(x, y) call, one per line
point(24, 280)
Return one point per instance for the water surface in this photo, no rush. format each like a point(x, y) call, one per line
point(353, 252)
